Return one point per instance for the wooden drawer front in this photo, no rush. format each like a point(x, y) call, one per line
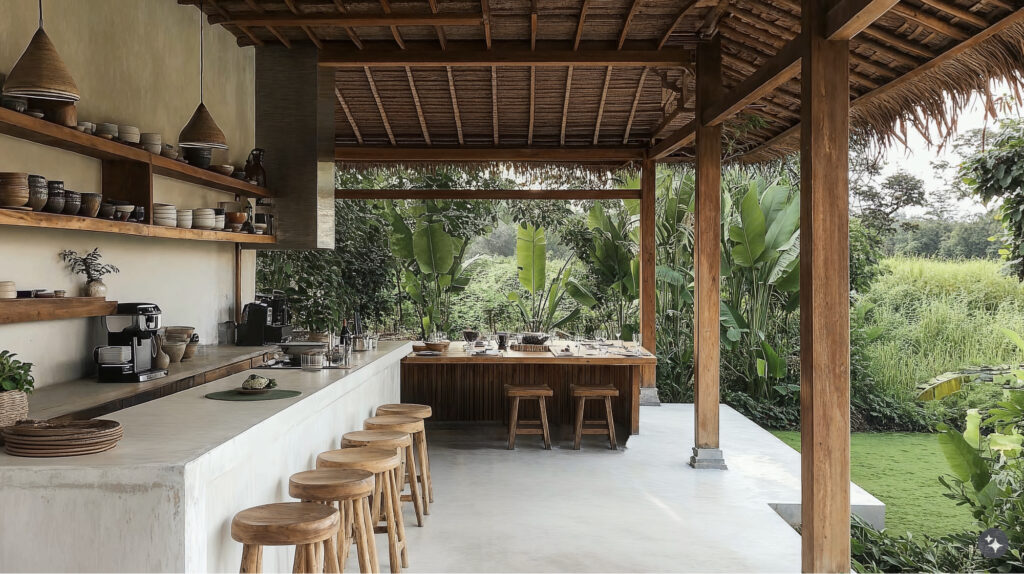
point(228, 370)
point(259, 361)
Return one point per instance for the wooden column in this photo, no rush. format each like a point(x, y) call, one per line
point(648, 262)
point(824, 296)
point(707, 245)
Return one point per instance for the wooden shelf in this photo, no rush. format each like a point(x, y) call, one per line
point(56, 221)
point(26, 310)
point(46, 133)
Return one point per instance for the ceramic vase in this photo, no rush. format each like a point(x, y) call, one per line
point(162, 359)
point(96, 288)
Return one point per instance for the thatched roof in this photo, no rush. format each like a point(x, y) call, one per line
point(917, 64)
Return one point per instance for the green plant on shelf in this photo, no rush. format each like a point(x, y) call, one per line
point(88, 264)
point(14, 374)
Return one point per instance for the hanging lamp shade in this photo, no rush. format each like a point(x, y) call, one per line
point(202, 131)
point(40, 73)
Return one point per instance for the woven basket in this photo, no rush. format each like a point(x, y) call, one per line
point(13, 408)
point(530, 348)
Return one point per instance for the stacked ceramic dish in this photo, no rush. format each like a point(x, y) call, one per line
point(151, 142)
point(165, 214)
point(203, 218)
point(218, 221)
point(14, 190)
point(38, 193)
point(122, 212)
point(106, 131)
point(8, 290)
point(44, 439)
point(128, 134)
point(185, 218)
point(86, 127)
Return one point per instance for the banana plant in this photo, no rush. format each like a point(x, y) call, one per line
point(543, 310)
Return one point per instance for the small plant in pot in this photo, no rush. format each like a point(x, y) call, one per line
point(15, 383)
point(90, 266)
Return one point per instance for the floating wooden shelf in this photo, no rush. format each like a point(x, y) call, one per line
point(26, 310)
point(46, 133)
point(55, 221)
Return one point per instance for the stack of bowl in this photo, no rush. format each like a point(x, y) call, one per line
point(8, 290)
point(169, 152)
point(37, 192)
point(72, 202)
point(90, 204)
point(106, 131)
point(14, 189)
point(128, 134)
point(185, 218)
point(165, 214)
point(235, 219)
point(123, 212)
point(151, 142)
point(218, 217)
point(87, 127)
point(203, 218)
point(55, 197)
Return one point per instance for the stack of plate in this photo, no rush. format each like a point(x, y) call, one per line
point(151, 142)
point(106, 131)
point(203, 218)
point(128, 134)
point(185, 218)
point(8, 290)
point(43, 439)
point(14, 190)
point(218, 221)
point(165, 214)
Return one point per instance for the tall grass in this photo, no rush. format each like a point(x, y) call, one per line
point(938, 316)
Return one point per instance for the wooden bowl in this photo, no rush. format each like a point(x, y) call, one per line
point(417, 348)
point(235, 217)
point(440, 346)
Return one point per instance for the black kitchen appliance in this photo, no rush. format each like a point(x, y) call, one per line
point(265, 321)
point(130, 329)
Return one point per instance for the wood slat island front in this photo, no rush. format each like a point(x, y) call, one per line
point(461, 387)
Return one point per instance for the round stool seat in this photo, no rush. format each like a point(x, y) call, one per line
point(331, 484)
point(378, 438)
point(407, 409)
point(403, 423)
point(529, 391)
point(285, 524)
point(371, 459)
point(594, 390)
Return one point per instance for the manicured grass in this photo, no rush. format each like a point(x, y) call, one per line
point(902, 470)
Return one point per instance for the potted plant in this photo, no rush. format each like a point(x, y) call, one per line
point(90, 266)
point(15, 383)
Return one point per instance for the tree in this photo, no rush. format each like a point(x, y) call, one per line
point(876, 203)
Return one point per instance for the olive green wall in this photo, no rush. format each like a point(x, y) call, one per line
point(136, 62)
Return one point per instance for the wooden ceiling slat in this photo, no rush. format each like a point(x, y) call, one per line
point(903, 44)
point(389, 19)
point(348, 114)
point(636, 101)
point(579, 27)
point(386, 6)
point(850, 17)
point(683, 11)
point(533, 103)
point(565, 105)
point(280, 37)
point(600, 106)
point(533, 24)
point(629, 21)
point(954, 10)
point(933, 23)
point(477, 153)
point(485, 10)
point(439, 30)
point(494, 102)
point(349, 31)
point(309, 31)
point(419, 108)
point(455, 104)
point(380, 106)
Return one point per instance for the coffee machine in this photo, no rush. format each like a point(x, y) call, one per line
point(131, 345)
point(265, 321)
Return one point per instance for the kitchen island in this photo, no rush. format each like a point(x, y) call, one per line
point(163, 499)
point(461, 386)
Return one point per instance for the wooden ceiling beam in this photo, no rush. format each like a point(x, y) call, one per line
point(565, 105)
point(600, 106)
point(455, 104)
point(958, 12)
point(386, 6)
point(280, 37)
point(899, 42)
point(504, 53)
point(483, 154)
point(485, 20)
point(682, 137)
point(629, 21)
point(348, 30)
point(579, 27)
point(533, 98)
point(850, 17)
point(489, 194)
point(636, 102)
point(348, 115)
point(380, 106)
point(346, 20)
point(494, 102)
point(533, 24)
point(781, 68)
point(419, 108)
point(309, 31)
point(442, 38)
point(686, 7)
point(930, 22)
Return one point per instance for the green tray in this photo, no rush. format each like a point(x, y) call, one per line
point(237, 396)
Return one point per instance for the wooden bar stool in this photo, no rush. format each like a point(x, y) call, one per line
point(414, 426)
point(402, 442)
point(351, 490)
point(384, 464)
point(583, 392)
point(420, 439)
point(305, 525)
point(539, 392)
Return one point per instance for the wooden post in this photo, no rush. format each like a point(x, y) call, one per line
point(824, 296)
point(648, 261)
point(707, 244)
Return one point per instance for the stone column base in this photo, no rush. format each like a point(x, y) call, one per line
point(708, 458)
point(649, 397)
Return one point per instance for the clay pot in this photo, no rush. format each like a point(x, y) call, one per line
point(95, 288)
point(174, 350)
point(162, 359)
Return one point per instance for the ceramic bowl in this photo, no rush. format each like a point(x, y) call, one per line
point(174, 349)
point(106, 211)
point(13, 103)
point(35, 113)
point(223, 169)
point(190, 351)
point(123, 212)
point(153, 148)
point(179, 332)
point(197, 156)
point(149, 138)
point(37, 197)
point(235, 217)
point(90, 204)
point(260, 228)
point(55, 199)
point(72, 202)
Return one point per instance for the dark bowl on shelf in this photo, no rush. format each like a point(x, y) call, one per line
point(198, 156)
point(90, 204)
point(54, 201)
point(37, 197)
point(106, 211)
point(72, 202)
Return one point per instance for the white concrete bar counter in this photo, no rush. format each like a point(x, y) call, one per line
point(162, 500)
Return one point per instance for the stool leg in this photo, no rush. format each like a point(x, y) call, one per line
point(396, 505)
point(581, 402)
point(251, 554)
point(331, 564)
point(544, 423)
point(371, 543)
point(345, 534)
point(378, 510)
point(311, 558)
point(299, 563)
point(421, 454)
point(611, 423)
point(318, 549)
point(389, 512)
point(513, 421)
point(414, 489)
point(362, 544)
point(426, 464)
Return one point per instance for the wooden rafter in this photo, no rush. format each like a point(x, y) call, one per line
point(494, 102)
point(439, 30)
point(505, 53)
point(954, 10)
point(455, 104)
point(380, 106)
point(636, 102)
point(280, 37)
point(348, 115)
point(850, 17)
point(783, 67)
point(480, 154)
point(687, 6)
point(309, 31)
point(600, 106)
point(899, 42)
point(389, 20)
point(253, 5)
point(489, 194)
point(629, 21)
point(680, 138)
point(709, 27)
point(533, 24)
point(579, 26)
point(933, 23)
point(485, 10)
point(244, 29)
point(565, 105)
point(419, 108)
point(352, 35)
point(533, 97)
point(386, 6)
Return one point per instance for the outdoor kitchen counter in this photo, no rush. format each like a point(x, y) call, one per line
point(163, 499)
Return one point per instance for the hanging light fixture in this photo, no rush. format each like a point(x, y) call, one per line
point(40, 73)
point(202, 131)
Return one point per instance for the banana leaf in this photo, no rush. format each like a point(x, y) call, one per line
point(531, 258)
point(749, 235)
point(433, 248)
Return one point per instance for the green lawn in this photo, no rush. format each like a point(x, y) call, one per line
point(902, 470)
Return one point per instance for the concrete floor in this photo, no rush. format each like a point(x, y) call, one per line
point(638, 509)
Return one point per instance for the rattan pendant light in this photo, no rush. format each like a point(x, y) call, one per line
point(202, 131)
point(40, 73)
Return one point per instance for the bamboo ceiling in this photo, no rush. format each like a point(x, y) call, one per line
point(547, 75)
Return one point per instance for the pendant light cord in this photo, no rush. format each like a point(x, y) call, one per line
point(201, 50)
point(40, 14)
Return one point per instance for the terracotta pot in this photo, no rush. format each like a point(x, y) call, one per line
point(95, 288)
point(13, 407)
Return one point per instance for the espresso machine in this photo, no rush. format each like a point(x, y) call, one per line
point(265, 321)
point(131, 345)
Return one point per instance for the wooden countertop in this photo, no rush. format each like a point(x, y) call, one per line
point(60, 399)
point(457, 354)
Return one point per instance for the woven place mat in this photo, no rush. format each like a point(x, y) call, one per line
point(233, 395)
